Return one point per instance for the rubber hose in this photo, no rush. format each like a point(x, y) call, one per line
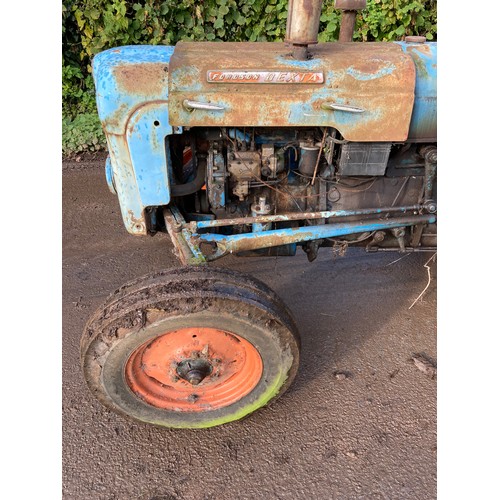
point(193, 186)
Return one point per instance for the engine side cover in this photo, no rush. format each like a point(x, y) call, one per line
point(261, 85)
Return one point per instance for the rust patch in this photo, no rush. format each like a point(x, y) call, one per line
point(148, 79)
point(373, 66)
point(399, 105)
point(423, 48)
point(350, 4)
point(136, 226)
point(115, 121)
point(377, 77)
point(267, 241)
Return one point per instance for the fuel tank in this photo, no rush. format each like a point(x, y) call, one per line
point(365, 90)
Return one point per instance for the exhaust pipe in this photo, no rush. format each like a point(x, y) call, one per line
point(302, 25)
point(347, 24)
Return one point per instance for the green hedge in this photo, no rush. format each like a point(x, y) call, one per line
point(90, 26)
point(82, 134)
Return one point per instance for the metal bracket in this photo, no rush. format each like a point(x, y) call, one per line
point(187, 249)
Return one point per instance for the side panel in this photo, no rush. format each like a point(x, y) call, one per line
point(423, 125)
point(131, 93)
point(146, 132)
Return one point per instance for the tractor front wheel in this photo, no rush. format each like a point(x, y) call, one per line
point(190, 348)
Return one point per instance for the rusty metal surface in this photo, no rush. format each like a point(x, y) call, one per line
point(125, 78)
point(350, 4)
point(347, 26)
point(415, 39)
point(185, 252)
point(377, 77)
point(348, 21)
point(297, 216)
point(144, 78)
point(265, 239)
point(303, 21)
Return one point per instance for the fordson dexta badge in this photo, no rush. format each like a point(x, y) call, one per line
point(231, 76)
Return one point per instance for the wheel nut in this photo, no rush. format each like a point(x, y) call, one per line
point(194, 377)
point(194, 370)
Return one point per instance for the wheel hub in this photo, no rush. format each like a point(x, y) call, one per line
point(194, 369)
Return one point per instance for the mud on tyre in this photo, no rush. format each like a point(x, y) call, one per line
point(190, 347)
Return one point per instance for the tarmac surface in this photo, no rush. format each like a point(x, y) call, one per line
point(359, 422)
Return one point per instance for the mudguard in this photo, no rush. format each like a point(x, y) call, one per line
point(131, 93)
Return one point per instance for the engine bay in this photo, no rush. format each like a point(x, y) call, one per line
point(279, 176)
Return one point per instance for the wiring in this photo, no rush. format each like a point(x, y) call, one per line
point(268, 184)
point(363, 237)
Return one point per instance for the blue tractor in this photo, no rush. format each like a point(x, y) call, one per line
point(252, 149)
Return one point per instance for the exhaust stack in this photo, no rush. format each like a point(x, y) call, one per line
point(302, 25)
point(347, 24)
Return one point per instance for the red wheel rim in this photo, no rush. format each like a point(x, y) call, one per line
point(194, 369)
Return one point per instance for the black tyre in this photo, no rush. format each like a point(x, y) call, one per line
point(190, 348)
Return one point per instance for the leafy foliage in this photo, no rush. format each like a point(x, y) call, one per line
point(82, 134)
point(91, 26)
point(78, 92)
point(103, 24)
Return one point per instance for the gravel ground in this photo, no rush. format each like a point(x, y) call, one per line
point(368, 434)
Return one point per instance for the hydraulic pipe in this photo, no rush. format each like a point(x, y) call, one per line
point(196, 184)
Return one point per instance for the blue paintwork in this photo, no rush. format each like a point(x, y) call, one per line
point(114, 104)
point(136, 125)
point(109, 175)
point(279, 139)
point(307, 65)
point(146, 132)
point(423, 125)
point(266, 239)
point(258, 227)
point(238, 134)
point(126, 185)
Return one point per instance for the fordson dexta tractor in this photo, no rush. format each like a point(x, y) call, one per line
point(250, 149)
